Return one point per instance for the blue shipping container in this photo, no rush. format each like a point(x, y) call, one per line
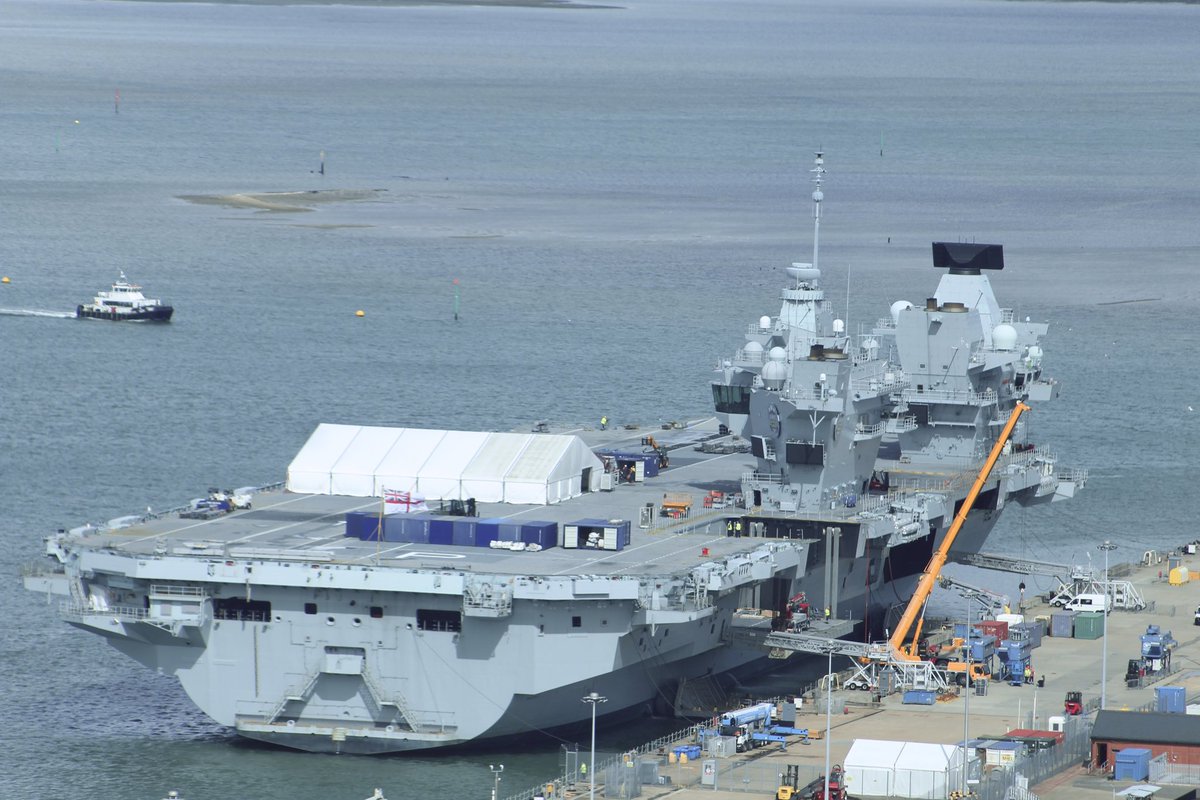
point(485, 535)
point(922, 697)
point(361, 525)
point(461, 530)
point(543, 534)
point(414, 526)
point(983, 648)
point(1171, 700)
point(509, 532)
point(1132, 764)
point(487, 530)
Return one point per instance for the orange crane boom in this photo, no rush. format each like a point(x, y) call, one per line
point(938, 560)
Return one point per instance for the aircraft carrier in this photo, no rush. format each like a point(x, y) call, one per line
point(557, 563)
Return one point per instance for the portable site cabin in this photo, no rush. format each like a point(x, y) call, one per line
point(878, 768)
point(362, 461)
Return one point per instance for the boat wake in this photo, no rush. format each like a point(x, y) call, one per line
point(34, 312)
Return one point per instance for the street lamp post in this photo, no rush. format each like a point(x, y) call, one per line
point(967, 701)
point(828, 716)
point(592, 699)
point(496, 770)
point(1104, 639)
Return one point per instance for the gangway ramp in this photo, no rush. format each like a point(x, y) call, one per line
point(1020, 566)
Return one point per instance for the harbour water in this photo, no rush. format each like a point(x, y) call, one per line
point(616, 190)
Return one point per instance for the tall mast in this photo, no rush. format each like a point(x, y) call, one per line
point(818, 171)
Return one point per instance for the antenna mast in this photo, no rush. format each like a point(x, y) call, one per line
point(818, 171)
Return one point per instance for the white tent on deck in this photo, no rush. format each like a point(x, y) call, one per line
point(362, 461)
point(877, 768)
point(310, 470)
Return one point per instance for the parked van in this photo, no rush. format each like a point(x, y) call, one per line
point(1087, 602)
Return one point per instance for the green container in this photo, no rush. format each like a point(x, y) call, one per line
point(1089, 625)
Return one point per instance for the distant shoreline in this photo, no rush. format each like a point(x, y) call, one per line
point(565, 4)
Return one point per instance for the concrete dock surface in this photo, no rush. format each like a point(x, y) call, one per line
point(1065, 664)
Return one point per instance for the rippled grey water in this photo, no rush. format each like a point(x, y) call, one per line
point(616, 190)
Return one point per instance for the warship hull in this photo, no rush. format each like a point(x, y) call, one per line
point(621, 562)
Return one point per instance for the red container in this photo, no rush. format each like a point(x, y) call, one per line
point(997, 628)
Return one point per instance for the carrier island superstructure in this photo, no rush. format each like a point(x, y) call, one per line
point(305, 617)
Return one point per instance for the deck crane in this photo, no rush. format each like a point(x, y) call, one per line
point(933, 570)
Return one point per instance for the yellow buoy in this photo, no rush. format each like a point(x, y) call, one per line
point(5, 279)
point(360, 313)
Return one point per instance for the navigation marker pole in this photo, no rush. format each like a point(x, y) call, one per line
point(117, 102)
point(456, 291)
point(322, 170)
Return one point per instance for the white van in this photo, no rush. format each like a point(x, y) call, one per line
point(1087, 602)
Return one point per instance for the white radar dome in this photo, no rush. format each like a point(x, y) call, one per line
point(1033, 356)
point(1004, 337)
point(839, 326)
point(897, 307)
point(777, 354)
point(764, 323)
point(774, 374)
point(753, 347)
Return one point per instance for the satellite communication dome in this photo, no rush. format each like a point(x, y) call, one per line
point(774, 374)
point(1004, 337)
point(897, 307)
point(777, 354)
point(1034, 355)
point(764, 323)
point(753, 347)
point(839, 326)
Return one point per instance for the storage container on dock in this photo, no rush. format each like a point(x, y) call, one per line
point(1132, 764)
point(1171, 699)
point(920, 697)
point(994, 627)
point(1089, 625)
point(1027, 632)
point(1062, 624)
point(983, 648)
point(509, 532)
point(543, 534)
point(1002, 753)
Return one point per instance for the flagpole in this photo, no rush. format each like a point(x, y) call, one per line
point(379, 526)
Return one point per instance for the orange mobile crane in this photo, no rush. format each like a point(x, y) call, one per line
point(928, 580)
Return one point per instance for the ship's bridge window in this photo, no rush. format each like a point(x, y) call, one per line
point(576, 622)
point(310, 608)
point(376, 612)
point(433, 620)
point(731, 399)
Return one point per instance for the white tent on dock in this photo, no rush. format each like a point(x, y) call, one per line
point(878, 768)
